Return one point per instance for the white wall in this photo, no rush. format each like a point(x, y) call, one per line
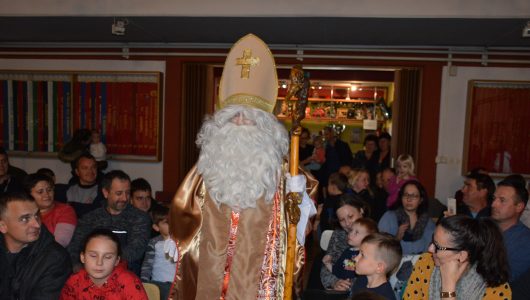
point(253, 8)
point(152, 171)
point(453, 118)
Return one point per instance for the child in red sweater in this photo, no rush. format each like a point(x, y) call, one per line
point(103, 276)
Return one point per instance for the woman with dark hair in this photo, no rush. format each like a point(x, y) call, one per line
point(59, 218)
point(409, 222)
point(467, 260)
point(348, 210)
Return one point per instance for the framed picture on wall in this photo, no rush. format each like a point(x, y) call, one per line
point(497, 133)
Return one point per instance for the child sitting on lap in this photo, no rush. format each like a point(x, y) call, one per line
point(103, 276)
point(344, 268)
point(379, 255)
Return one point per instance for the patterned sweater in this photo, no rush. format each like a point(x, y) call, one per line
point(132, 226)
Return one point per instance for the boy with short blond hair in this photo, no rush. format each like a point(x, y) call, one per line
point(379, 255)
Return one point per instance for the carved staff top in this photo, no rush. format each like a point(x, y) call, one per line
point(299, 87)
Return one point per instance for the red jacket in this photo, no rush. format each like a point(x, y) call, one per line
point(121, 284)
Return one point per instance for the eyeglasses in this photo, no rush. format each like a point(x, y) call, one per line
point(411, 196)
point(439, 248)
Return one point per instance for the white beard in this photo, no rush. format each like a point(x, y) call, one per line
point(241, 163)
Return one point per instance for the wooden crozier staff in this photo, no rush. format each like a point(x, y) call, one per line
point(300, 87)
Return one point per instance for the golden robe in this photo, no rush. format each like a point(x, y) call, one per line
point(202, 232)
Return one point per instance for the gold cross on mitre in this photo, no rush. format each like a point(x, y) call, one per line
point(247, 61)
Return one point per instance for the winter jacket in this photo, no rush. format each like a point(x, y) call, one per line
point(38, 271)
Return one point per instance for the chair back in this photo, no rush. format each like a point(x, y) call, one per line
point(152, 291)
point(324, 239)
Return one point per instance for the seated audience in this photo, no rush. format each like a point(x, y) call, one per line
point(359, 180)
point(345, 170)
point(386, 175)
point(405, 172)
point(467, 260)
point(410, 222)
point(103, 276)
point(337, 186)
point(344, 268)
point(379, 255)
point(34, 266)
point(16, 172)
point(458, 194)
point(8, 182)
point(305, 149)
point(382, 157)
point(363, 158)
point(59, 218)
point(510, 200)
point(141, 195)
point(338, 153)
point(349, 209)
point(85, 195)
point(132, 225)
point(158, 267)
point(318, 157)
point(477, 196)
point(525, 216)
point(59, 189)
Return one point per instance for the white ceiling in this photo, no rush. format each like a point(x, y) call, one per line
point(269, 8)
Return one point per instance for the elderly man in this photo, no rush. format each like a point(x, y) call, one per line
point(506, 209)
point(34, 266)
point(228, 215)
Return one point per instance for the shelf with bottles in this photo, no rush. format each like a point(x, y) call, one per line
point(335, 111)
point(339, 101)
point(340, 91)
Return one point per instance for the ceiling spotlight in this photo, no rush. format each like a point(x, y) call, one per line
point(526, 30)
point(353, 87)
point(118, 27)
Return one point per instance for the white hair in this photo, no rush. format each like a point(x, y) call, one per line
point(241, 163)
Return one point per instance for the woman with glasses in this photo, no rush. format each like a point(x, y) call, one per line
point(409, 222)
point(466, 260)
